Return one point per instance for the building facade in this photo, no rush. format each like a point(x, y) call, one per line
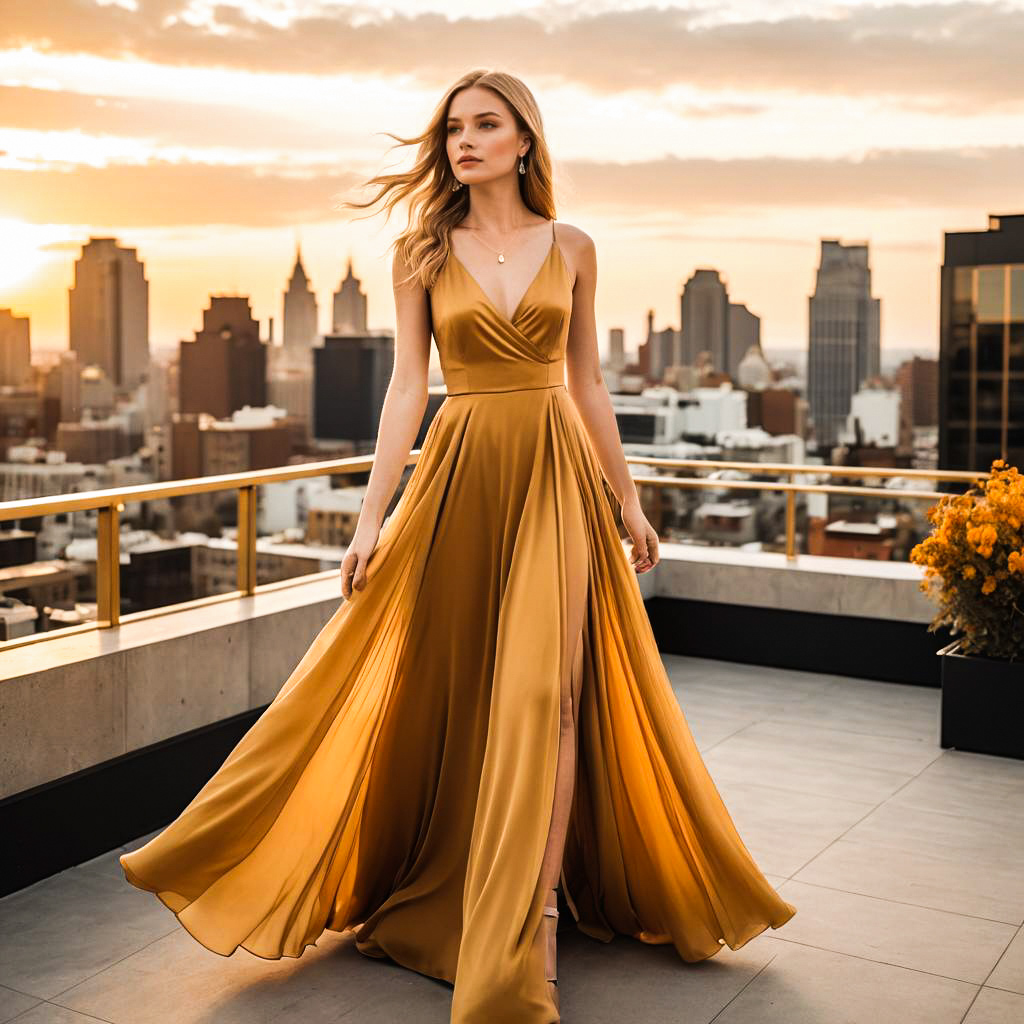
point(225, 368)
point(744, 334)
point(349, 313)
point(704, 316)
point(918, 382)
point(15, 350)
point(844, 344)
point(300, 313)
point(108, 308)
point(981, 346)
point(350, 380)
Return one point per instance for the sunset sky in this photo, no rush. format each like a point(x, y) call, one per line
point(735, 135)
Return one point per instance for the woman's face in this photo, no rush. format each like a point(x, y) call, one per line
point(480, 125)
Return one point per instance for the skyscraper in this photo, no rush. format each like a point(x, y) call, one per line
point(844, 335)
point(981, 346)
point(658, 351)
point(744, 334)
point(918, 383)
point(349, 306)
point(704, 317)
point(225, 368)
point(351, 375)
point(109, 311)
point(300, 316)
point(617, 348)
point(15, 349)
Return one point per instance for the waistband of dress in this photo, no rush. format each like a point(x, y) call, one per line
point(501, 378)
point(505, 391)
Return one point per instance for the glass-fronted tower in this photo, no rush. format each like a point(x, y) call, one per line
point(981, 346)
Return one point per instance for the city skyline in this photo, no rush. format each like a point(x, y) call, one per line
point(847, 124)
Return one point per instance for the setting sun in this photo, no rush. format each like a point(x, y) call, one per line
point(21, 254)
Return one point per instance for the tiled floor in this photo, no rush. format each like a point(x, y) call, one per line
point(906, 864)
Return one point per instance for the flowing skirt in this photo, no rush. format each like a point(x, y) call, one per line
point(401, 783)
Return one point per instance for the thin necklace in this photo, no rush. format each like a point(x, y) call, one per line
point(501, 252)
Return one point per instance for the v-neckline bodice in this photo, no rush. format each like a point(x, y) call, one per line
point(510, 320)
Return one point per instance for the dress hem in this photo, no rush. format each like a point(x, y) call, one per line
point(136, 881)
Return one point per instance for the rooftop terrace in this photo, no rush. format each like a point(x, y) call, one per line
point(903, 859)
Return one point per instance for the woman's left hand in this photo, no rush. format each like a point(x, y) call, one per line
point(644, 553)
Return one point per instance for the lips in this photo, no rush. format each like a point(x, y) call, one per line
point(469, 160)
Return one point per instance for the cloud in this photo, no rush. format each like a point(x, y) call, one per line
point(199, 125)
point(65, 245)
point(161, 122)
point(894, 179)
point(950, 57)
point(914, 245)
point(166, 194)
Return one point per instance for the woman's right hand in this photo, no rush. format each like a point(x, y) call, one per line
point(353, 565)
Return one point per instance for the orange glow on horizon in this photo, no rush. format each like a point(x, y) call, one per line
point(21, 255)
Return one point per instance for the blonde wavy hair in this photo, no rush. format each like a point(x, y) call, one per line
point(434, 208)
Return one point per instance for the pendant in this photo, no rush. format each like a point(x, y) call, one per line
point(501, 257)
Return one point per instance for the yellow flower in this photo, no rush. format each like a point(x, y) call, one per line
point(989, 585)
point(969, 572)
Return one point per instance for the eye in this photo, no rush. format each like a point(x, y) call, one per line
point(491, 123)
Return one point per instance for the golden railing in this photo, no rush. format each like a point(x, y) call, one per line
point(110, 502)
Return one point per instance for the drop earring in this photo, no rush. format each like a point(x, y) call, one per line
point(456, 186)
point(522, 168)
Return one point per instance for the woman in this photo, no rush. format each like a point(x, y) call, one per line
point(486, 718)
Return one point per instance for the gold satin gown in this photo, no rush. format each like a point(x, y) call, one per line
point(401, 784)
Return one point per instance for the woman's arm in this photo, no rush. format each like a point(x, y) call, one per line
point(401, 415)
point(587, 388)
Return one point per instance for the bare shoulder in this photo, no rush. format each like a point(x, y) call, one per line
point(572, 238)
point(577, 247)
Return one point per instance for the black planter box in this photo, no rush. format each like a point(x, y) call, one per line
point(982, 703)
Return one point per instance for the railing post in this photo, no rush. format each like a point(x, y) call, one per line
point(247, 539)
point(108, 564)
point(791, 522)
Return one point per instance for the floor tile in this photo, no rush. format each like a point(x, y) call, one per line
point(626, 980)
point(177, 979)
point(50, 1013)
point(68, 927)
point(784, 829)
point(12, 1003)
point(742, 757)
point(1009, 972)
point(974, 787)
point(934, 941)
point(801, 985)
point(924, 877)
point(995, 1007)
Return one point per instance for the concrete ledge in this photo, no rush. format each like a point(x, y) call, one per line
point(810, 583)
point(76, 701)
point(62, 651)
